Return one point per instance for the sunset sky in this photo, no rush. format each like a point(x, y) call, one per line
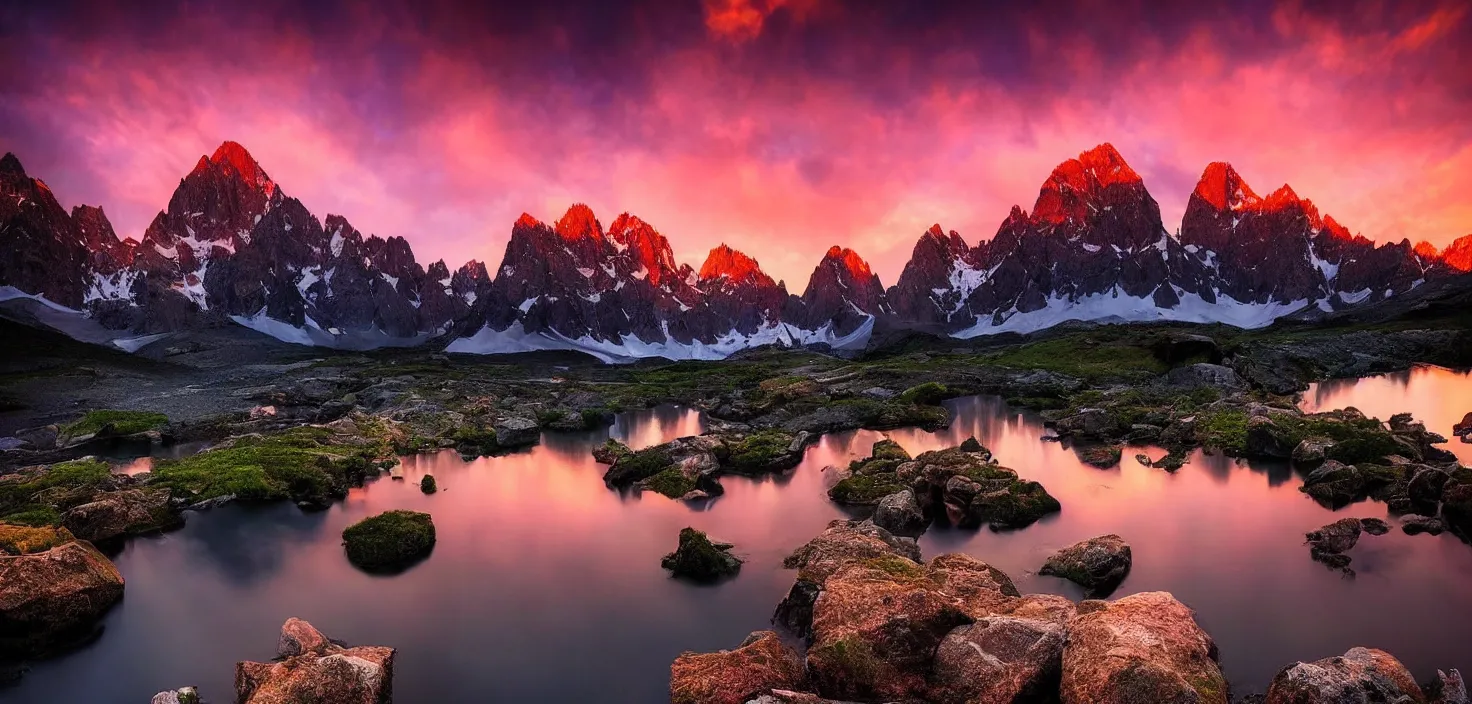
point(780, 127)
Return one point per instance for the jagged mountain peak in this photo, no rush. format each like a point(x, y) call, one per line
point(231, 156)
point(936, 231)
point(849, 261)
point(1081, 188)
point(1223, 188)
point(526, 221)
point(732, 265)
point(579, 223)
point(10, 165)
point(1283, 197)
point(1458, 254)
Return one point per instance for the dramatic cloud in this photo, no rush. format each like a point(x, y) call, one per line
point(778, 126)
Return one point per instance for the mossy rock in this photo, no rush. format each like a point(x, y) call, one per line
point(761, 451)
point(115, 423)
point(24, 540)
point(638, 466)
point(972, 445)
point(475, 440)
point(610, 451)
point(671, 482)
point(428, 484)
point(1101, 456)
point(699, 559)
point(1020, 505)
point(37, 497)
point(389, 540)
point(307, 464)
point(865, 489)
point(930, 393)
point(888, 450)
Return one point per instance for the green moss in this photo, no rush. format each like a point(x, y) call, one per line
point(1037, 403)
point(972, 445)
point(671, 482)
point(34, 516)
point(930, 393)
point(885, 415)
point(888, 450)
point(428, 484)
point(301, 464)
point(700, 559)
point(24, 540)
point(389, 539)
point(545, 418)
point(1021, 505)
point(1096, 355)
point(473, 439)
point(763, 450)
point(865, 489)
point(1224, 430)
point(642, 464)
point(895, 566)
point(36, 497)
point(121, 422)
point(850, 663)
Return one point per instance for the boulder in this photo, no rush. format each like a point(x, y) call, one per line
point(428, 484)
point(1142, 648)
point(843, 542)
point(698, 558)
point(900, 514)
point(976, 587)
point(113, 514)
point(760, 664)
point(1360, 675)
point(1374, 526)
point(1098, 565)
point(1201, 375)
point(1088, 423)
point(42, 438)
point(1336, 537)
point(876, 626)
point(1266, 439)
point(1310, 452)
point(390, 540)
point(517, 432)
point(1461, 429)
point(1426, 486)
point(50, 597)
point(1456, 503)
point(1414, 525)
point(795, 611)
point(1018, 505)
point(998, 659)
point(182, 695)
point(610, 451)
point(1101, 456)
point(312, 668)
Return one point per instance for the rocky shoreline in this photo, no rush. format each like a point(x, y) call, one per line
point(875, 623)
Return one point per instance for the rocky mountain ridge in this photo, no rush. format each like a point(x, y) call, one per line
point(231, 246)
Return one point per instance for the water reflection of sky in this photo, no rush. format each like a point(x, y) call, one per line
point(545, 585)
point(1436, 396)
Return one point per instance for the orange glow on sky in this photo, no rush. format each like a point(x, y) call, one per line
point(779, 128)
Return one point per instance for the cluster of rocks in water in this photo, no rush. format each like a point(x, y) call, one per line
point(309, 667)
point(962, 485)
point(875, 623)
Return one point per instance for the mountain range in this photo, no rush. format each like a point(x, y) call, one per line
point(232, 246)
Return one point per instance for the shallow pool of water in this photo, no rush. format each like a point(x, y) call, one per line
point(545, 585)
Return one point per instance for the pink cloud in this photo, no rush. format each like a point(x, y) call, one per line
point(711, 143)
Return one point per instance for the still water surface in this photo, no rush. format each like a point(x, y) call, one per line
point(545, 586)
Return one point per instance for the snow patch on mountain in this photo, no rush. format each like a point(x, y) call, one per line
point(1113, 307)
